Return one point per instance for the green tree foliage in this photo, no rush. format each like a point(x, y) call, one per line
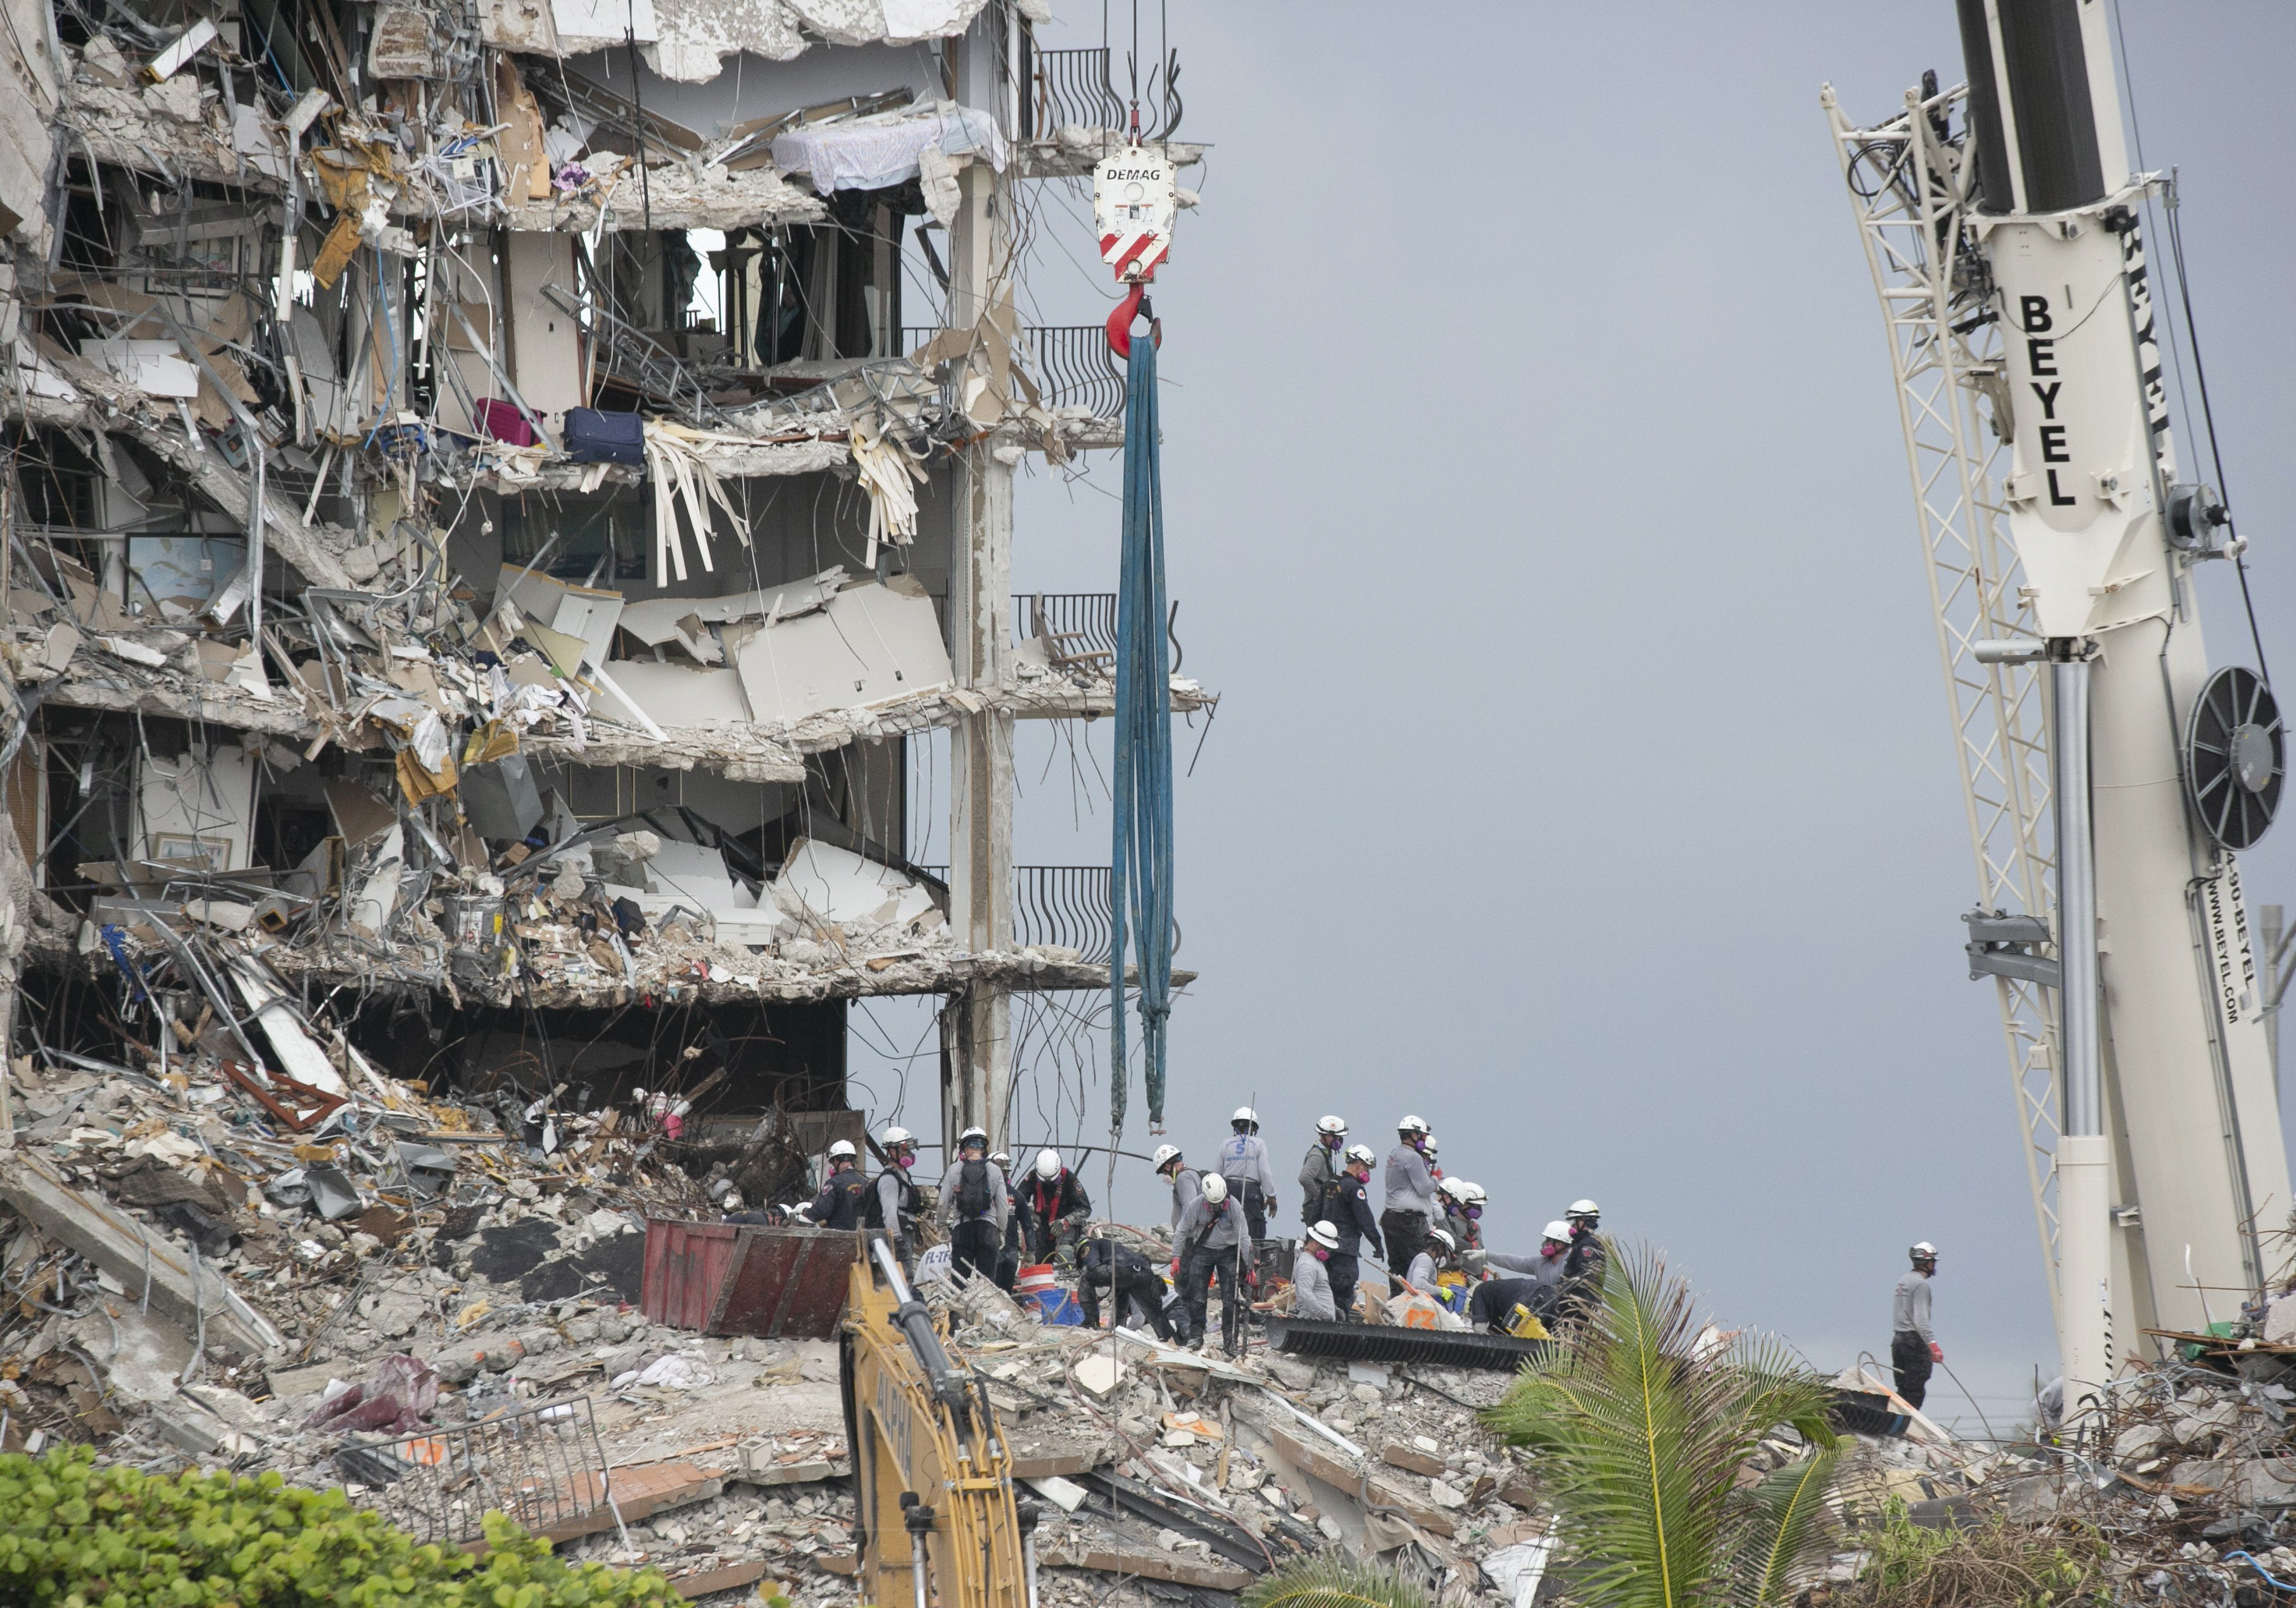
point(1640, 1428)
point(1333, 1581)
point(75, 1535)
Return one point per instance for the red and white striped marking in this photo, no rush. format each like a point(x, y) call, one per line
point(1136, 254)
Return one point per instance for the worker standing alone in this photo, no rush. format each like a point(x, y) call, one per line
point(1250, 1177)
point(1914, 1348)
point(975, 1206)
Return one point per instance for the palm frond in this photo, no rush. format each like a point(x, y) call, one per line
point(1641, 1434)
point(1333, 1581)
point(1780, 1523)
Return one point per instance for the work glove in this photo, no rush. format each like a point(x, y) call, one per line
point(1937, 1352)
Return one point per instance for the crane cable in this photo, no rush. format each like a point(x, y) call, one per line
point(1140, 873)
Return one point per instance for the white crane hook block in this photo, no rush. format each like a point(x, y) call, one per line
point(1134, 200)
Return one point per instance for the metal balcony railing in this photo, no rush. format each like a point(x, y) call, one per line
point(1081, 627)
point(1070, 364)
point(1078, 88)
point(1063, 905)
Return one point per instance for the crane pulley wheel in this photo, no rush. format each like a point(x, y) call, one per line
point(2236, 756)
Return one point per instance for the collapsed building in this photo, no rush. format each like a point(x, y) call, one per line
point(497, 493)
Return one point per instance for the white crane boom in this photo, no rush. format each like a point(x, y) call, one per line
point(2109, 777)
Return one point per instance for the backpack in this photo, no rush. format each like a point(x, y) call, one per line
point(973, 1189)
point(874, 1214)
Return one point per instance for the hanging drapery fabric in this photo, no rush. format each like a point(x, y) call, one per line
point(1140, 882)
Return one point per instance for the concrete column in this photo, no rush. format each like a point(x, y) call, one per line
point(979, 1020)
point(977, 1025)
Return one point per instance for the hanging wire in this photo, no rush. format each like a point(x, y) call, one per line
point(2175, 232)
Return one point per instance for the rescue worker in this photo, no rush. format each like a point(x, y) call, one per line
point(731, 1207)
point(1058, 1208)
point(1536, 1284)
point(1325, 1161)
point(1129, 1278)
point(1582, 1271)
point(1208, 1244)
point(1914, 1348)
point(1349, 1216)
point(1187, 1183)
point(840, 1204)
point(1311, 1282)
point(1250, 1177)
point(1461, 1205)
point(1410, 1205)
point(974, 1206)
point(1016, 1227)
point(1438, 1252)
point(892, 1204)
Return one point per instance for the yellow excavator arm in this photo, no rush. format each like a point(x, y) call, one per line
point(935, 1516)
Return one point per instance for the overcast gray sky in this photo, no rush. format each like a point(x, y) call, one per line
point(1535, 499)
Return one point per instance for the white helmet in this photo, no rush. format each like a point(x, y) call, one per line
point(973, 1135)
point(1430, 1145)
point(1583, 1209)
point(1003, 1160)
point(1166, 1154)
point(1475, 1194)
point(1924, 1252)
point(1410, 1125)
point(1330, 1124)
point(1048, 1164)
point(1361, 1153)
point(1456, 1188)
point(895, 1136)
point(1442, 1236)
point(1215, 1188)
point(1559, 1232)
point(841, 1150)
point(1325, 1235)
point(1245, 1113)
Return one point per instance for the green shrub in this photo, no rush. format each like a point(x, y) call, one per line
point(1997, 1565)
point(75, 1535)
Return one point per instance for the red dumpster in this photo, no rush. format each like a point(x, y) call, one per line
point(724, 1278)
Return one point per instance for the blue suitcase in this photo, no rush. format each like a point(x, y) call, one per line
point(592, 437)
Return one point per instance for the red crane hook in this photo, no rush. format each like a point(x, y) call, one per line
point(1135, 305)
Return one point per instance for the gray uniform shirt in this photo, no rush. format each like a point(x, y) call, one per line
point(1244, 1159)
point(1319, 1171)
point(1187, 1189)
point(1217, 1227)
point(1421, 1276)
point(1000, 1206)
point(1311, 1288)
point(888, 1202)
point(1909, 1307)
point(1410, 1188)
point(1542, 1270)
